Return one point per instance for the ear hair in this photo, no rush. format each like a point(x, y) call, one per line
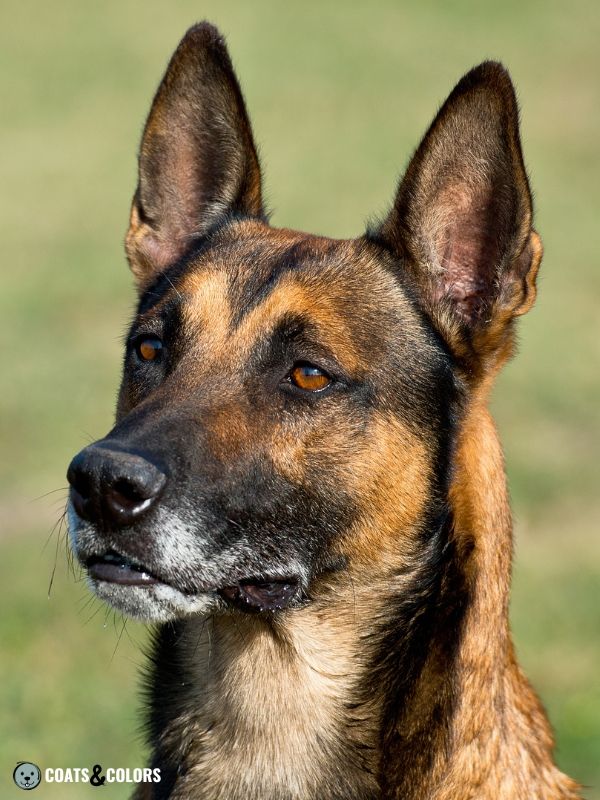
point(461, 220)
point(197, 162)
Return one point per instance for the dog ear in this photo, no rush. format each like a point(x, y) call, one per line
point(461, 220)
point(197, 160)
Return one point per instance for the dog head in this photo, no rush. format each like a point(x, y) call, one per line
point(27, 775)
point(288, 401)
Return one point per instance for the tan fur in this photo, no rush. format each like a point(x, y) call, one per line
point(285, 705)
point(267, 701)
point(390, 477)
point(270, 718)
point(497, 754)
point(297, 300)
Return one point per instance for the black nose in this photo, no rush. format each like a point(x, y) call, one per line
point(113, 487)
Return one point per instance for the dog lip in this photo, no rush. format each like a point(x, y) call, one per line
point(255, 595)
point(251, 595)
point(113, 567)
point(118, 568)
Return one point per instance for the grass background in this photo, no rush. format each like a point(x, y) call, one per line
point(339, 93)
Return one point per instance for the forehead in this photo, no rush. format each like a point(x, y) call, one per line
point(249, 278)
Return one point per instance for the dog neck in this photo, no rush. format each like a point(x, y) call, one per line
point(472, 725)
point(402, 686)
point(270, 707)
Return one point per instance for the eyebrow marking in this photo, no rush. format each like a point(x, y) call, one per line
point(291, 298)
point(207, 306)
point(259, 284)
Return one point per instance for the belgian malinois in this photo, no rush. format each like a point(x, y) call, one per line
point(304, 487)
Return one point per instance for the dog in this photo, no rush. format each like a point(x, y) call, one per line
point(304, 488)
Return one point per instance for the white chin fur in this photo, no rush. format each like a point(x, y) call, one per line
point(155, 603)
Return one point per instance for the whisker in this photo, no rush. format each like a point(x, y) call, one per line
point(46, 494)
point(239, 630)
point(91, 617)
point(173, 285)
point(56, 525)
point(84, 601)
point(200, 635)
point(210, 621)
point(55, 563)
point(118, 640)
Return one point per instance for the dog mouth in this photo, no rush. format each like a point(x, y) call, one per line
point(251, 595)
point(113, 567)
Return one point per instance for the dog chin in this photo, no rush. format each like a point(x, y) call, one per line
point(157, 603)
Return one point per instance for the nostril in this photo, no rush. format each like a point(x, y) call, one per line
point(125, 504)
point(126, 499)
point(128, 491)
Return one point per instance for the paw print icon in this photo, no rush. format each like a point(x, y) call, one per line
point(27, 775)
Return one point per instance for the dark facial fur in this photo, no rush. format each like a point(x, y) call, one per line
point(333, 563)
point(262, 477)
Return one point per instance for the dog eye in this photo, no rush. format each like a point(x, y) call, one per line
point(148, 348)
point(309, 378)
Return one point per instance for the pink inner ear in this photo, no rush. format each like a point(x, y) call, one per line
point(468, 249)
point(158, 253)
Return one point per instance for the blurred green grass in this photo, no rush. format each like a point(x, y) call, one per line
point(339, 94)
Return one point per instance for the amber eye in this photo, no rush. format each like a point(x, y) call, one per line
point(148, 348)
point(309, 378)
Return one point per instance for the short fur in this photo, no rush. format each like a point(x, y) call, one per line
point(391, 674)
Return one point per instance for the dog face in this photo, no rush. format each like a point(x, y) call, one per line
point(282, 385)
point(288, 401)
point(27, 775)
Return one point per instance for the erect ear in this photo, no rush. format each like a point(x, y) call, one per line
point(197, 160)
point(461, 221)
